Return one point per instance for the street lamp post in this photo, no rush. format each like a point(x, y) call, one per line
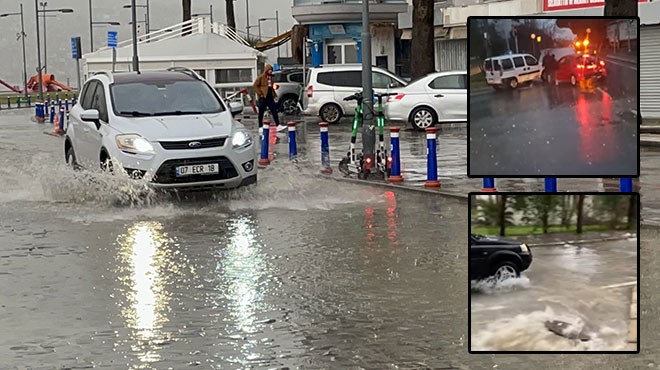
point(36, 12)
point(44, 11)
point(210, 13)
point(136, 63)
point(23, 41)
point(277, 26)
point(247, 16)
point(146, 6)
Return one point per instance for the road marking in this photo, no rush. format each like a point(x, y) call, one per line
point(618, 285)
point(604, 92)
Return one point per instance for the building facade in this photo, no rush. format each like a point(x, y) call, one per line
point(335, 28)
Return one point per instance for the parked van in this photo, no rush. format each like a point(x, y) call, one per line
point(511, 70)
point(329, 84)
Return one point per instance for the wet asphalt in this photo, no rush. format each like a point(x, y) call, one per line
point(297, 272)
point(586, 285)
point(547, 130)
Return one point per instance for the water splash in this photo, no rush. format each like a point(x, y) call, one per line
point(493, 285)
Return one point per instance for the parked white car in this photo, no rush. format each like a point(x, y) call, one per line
point(511, 70)
point(329, 84)
point(436, 97)
point(170, 127)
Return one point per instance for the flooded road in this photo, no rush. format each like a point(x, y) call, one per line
point(297, 272)
point(586, 285)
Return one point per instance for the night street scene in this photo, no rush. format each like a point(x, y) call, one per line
point(543, 100)
point(553, 272)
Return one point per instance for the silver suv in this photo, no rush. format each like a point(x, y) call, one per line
point(330, 84)
point(288, 85)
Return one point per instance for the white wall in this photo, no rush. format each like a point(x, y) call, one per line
point(382, 43)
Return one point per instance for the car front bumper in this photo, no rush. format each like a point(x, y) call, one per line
point(526, 260)
point(236, 167)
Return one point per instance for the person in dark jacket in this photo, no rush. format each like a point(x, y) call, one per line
point(266, 95)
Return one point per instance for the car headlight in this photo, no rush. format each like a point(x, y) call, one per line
point(524, 248)
point(133, 143)
point(240, 140)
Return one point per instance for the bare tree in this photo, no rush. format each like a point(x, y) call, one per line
point(580, 213)
point(229, 11)
point(187, 14)
point(621, 8)
point(423, 61)
point(502, 214)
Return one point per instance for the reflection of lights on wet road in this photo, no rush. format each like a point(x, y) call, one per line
point(596, 138)
point(142, 255)
point(390, 199)
point(242, 272)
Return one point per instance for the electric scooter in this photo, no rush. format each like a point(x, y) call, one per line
point(356, 163)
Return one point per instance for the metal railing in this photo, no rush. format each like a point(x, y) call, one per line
point(326, 2)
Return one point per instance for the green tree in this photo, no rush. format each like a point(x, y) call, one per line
point(542, 208)
point(566, 211)
point(611, 208)
point(632, 211)
point(422, 38)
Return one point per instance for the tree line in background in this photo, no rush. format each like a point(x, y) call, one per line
point(422, 28)
point(607, 211)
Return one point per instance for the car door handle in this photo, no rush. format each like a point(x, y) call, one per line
point(439, 96)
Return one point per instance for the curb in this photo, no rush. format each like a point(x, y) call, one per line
point(633, 338)
point(622, 60)
point(554, 244)
point(393, 186)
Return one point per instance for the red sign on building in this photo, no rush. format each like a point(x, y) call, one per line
point(554, 5)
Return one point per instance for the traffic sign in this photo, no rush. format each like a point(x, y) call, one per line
point(112, 39)
point(75, 47)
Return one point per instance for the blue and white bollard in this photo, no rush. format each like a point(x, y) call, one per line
point(489, 185)
point(626, 185)
point(325, 148)
point(263, 158)
point(60, 129)
point(46, 110)
point(431, 159)
point(395, 169)
point(550, 185)
point(52, 113)
point(293, 148)
point(66, 104)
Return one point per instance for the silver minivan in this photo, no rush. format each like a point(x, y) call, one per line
point(329, 84)
point(511, 70)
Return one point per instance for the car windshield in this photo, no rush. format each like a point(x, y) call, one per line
point(140, 99)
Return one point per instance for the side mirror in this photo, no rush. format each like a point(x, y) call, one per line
point(235, 108)
point(91, 115)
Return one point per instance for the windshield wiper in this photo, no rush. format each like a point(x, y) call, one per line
point(176, 113)
point(135, 113)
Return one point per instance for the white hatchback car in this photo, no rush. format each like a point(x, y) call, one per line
point(169, 127)
point(436, 97)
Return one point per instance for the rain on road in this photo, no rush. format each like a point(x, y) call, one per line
point(538, 130)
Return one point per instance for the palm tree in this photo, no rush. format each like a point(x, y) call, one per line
point(187, 14)
point(620, 7)
point(422, 38)
point(229, 11)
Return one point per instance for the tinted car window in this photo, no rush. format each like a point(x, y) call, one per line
point(155, 98)
point(488, 66)
point(531, 61)
point(380, 81)
point(518, 62)
point(448, 82)
point(88, 94)
point(341, 78)
point(296, 77)
point(98, 103)
point(506, 64)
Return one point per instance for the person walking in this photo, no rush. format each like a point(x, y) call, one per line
point(263, 87)
point(554, 64)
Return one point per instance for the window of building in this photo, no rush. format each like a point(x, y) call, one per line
point(223, 76)
point(201, 72)
point(341, 53)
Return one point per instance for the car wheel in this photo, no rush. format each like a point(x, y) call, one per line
point(289, 105)
point(330, 113)
point(506, 270)
point(513, 83)
point(422, 118)
point(71, 158)
point(573, 80)
point(497, 88)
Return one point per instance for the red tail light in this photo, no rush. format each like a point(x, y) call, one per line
point(399, 96)
point(602, 63)
point(369, 160)
point(310, 91)
point(580, 66)
point(276, 86)
point(389, 159)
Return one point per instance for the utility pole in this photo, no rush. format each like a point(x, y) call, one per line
point(91, 30)
point(368, 132)
point(136, 63)
point(24, 63)
point(247, 16)
point(36, 13)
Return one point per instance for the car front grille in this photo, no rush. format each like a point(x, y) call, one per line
point(184, 145)
point(166, 174)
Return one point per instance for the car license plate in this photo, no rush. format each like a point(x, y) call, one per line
point(198, 169)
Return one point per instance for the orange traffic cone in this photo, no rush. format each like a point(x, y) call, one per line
point(57, 130)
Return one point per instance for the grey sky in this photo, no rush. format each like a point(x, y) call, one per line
point(64, 26)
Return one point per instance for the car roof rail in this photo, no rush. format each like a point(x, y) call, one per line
point(105, 73)
point(187, 71)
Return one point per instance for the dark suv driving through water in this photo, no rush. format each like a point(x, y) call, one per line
point(495, 257)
